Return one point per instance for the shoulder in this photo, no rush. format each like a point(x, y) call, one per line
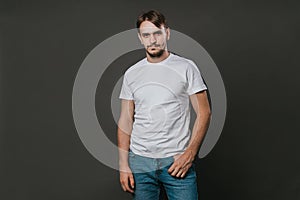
point(134, 67)
point(183, 61)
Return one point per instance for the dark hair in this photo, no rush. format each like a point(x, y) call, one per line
point(153, 16)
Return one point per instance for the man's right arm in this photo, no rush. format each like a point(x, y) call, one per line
point(124, 133)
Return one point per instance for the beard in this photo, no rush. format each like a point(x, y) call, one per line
point(156, 54)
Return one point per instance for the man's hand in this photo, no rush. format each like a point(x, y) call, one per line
point(124, 134)
point(181, 164)
point(126, 179)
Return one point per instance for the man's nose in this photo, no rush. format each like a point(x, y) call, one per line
point(152, 38)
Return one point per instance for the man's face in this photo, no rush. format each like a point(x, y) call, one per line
point(153, 38)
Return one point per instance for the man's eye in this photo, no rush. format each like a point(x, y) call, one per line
point(158, 33)
point(146, 35)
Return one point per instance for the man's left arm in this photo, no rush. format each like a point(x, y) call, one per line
point(184, 161)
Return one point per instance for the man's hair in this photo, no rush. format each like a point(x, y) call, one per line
point(153, 16)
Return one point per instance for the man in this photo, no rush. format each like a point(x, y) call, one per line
point(156, 147)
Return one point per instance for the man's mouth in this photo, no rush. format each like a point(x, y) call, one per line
point(153, 48)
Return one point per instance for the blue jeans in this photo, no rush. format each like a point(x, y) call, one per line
point(152, 173)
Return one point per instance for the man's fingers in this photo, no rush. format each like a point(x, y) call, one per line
point(179, 171)
point(180, 166)
point(176, 170)
point(123, 187)
point(131, 179)
point(176, 166)
point(186, 165)
point(186, 169)
point(127, 181)
point(128, 189)
point(171, 168)
point(183, 174)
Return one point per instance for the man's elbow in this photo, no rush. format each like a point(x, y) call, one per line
point(204, 113)
point(207, 114)
point(125, 124)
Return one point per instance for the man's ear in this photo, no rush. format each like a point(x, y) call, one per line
point(168, 33)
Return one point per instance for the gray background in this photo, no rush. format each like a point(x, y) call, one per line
point(43, 43)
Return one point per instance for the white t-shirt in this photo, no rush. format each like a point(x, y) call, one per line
point(160, 92)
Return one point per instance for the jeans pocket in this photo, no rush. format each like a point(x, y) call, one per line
point(131, 159)
point(131, 154)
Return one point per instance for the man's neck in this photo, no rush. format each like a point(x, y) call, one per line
point(158, 59)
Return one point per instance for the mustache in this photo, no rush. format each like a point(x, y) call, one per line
point(153, 45)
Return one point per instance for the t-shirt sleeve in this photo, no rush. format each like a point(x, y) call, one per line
point(195, 81)
point(125, 90)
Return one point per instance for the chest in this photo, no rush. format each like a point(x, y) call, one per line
point(157, 85)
